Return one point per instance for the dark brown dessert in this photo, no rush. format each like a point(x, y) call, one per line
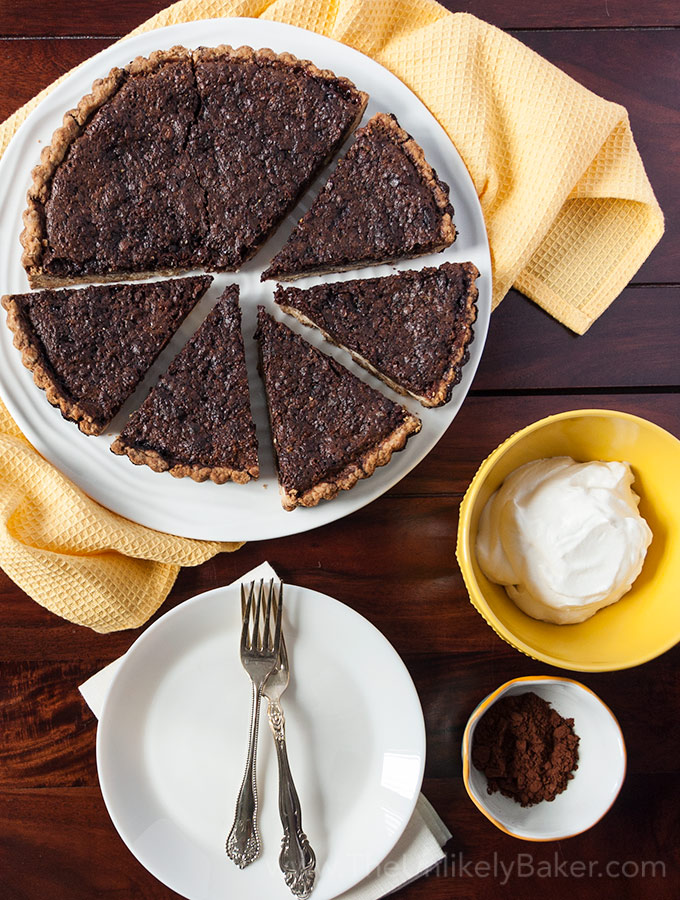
point(89, 349)
point(411, 329)
point(181, 160)
point(196, 421)
point(329, 428)
point(383, 202)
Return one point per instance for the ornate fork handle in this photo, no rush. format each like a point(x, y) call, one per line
point(297, 859)
point(243, 843)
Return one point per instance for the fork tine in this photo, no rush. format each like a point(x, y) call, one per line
point(258, 610)
point(266, 635)
point(275, 607)
point(279, 617)
point(246, 605)
point(283, 653)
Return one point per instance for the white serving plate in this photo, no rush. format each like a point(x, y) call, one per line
point(230, 511)
point(172, 737)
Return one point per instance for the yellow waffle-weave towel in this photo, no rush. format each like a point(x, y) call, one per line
point(76, 558)
point(569, 210)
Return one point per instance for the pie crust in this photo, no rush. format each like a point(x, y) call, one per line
point(363, 467)
point(32, 358)
point(152, 459)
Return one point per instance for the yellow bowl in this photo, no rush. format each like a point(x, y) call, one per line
point(646, 621)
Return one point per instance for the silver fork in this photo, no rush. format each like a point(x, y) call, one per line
point(297, 859)
point(259, 653)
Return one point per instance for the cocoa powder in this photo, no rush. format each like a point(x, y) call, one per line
point(525, 748)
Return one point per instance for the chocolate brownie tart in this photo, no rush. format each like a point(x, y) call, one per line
point(181, 160)
point(88, 349)
point(329, 428)
point(383, 202)
point(196, 421)
point(411, 329)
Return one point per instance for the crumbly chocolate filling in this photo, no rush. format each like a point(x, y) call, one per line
point(98, 342)
point(198, 414)
point(192, 164)
point(376, 206)
point(322, 417)
point(411, 327)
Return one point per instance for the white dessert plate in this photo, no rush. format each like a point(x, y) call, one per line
point(230, 511)
point(172, 737)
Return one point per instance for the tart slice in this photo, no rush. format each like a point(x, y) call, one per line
point(411, 329)
point(196, 421)
point(180, 160)
point(329, 428)
point(383, 202)
point(89, 349)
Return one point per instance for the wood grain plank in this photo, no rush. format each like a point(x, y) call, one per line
point(633, 344)
point(80, 17)
point(505, 864)
point(485, 422)
point(451, 685)
point(25, 19)
point(50, 732)
point(385, 560)
point(62, 845)
point(571, 13)
point(29, 66)
point(344, 559)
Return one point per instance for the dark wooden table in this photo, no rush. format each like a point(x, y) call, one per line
point(394, 561)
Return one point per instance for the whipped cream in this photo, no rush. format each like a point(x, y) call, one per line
point(564, 538)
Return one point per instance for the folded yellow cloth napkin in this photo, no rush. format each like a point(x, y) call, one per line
point(570, 215)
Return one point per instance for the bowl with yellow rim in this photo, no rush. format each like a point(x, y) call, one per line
point(646, 621)
point(596, 781)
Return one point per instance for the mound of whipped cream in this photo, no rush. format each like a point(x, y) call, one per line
point(564, 538)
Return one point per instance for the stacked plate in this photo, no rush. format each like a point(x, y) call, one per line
point(173, 732)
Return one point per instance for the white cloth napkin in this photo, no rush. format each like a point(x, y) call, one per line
point(417, 851)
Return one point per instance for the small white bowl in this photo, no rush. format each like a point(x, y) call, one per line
point(596, 782)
